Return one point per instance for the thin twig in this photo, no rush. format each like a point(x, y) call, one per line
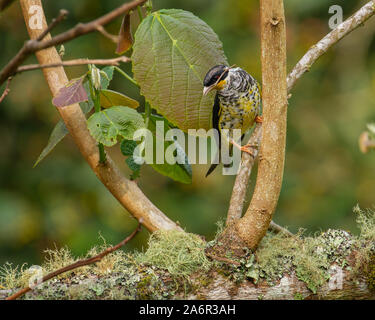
point(80, 29)
point(279, 229)
point(75, 62)
point(80, 263)
point(27, 49)
point(108, 35)
point(222, 259)
point(62, 15)
point(6, 91)
point(342, 30)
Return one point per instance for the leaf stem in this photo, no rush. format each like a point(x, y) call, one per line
point(140, 13)
point(95, 96)
point(147, 114)
point(102, 155)
point(123, 73)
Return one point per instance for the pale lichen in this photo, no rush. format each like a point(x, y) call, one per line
point(178, 252)
point(175, 264)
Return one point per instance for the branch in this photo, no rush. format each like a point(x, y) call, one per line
point(243, 177)
point(6, 90)
point(80, 263)
point(289, 276)
point(75, 32)
point(75, 62)
point(62, 15)
point(27, 49)
point(124, 190)
point(342, 30)
point(108, 35)
point(279, 229)
point(254, 224)
point(311, 56)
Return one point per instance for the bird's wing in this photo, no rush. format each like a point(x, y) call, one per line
point(215, 118)
point(215, 124)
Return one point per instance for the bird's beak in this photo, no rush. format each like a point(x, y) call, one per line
point(206, 90)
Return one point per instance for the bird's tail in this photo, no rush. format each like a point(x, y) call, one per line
point(213, 166)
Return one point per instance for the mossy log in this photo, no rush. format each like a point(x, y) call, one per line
point(213, 285)
point(331, 265)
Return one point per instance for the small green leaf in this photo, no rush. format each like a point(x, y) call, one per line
point(132, 164)
point(71, 93)
point(104, 81)
point(127, 147)
point(110, 98)
point(58, 133)
point(178, 172)
point(106, 125)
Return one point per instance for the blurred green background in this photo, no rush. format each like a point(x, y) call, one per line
point(61, 202)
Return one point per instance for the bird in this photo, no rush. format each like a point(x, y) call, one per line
point(237, 103)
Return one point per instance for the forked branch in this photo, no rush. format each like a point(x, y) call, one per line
point(253, 225)
point(124, 190)
point(304, 64)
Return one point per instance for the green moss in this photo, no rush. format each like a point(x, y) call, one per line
point(366, 223)
point(11, 277)
point(175, 264)
point(371, 273)
point(309, 257)
point(365, 258)
point(298, 296)
point(178, 252)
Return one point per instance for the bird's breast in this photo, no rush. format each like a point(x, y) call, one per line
point(238, 111)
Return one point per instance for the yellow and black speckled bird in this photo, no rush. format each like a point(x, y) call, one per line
point(237, 102)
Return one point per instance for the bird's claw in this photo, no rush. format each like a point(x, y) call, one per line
point(250, 149)
point(258, 119)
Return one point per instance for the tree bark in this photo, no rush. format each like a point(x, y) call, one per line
point(340, 285)
point(254, 224)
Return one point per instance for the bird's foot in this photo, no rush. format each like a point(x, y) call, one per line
point(250, 149)
point(258, 119)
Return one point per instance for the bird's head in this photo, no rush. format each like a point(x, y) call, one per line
point(216, 78)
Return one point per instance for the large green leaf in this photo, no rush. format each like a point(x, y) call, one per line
point(172, 52)
point(106, 125)
point(180, 172)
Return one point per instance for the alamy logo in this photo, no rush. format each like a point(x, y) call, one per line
point(337, 16)
point(182, 146)
point(36, 276)
point(36, 17)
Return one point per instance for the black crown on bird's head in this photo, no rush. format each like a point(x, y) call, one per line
point(213, 75)
point(215, 78)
